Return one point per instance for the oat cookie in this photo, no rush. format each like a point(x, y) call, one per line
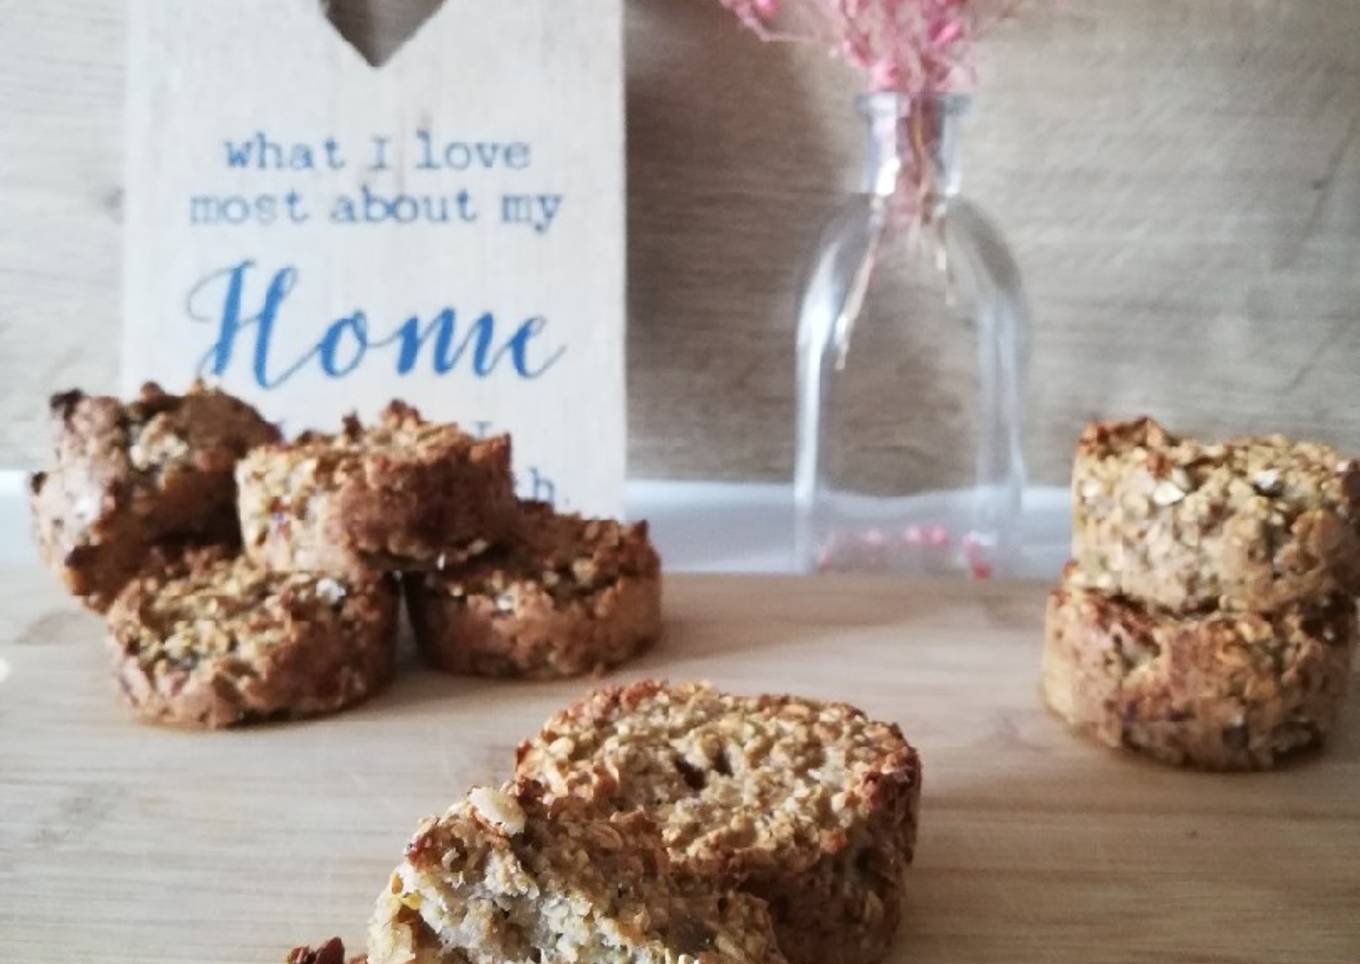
point(128, 476)
point(1252, 524)
point(212, 640)
point(504, 878)
point(1224, 690)
point(811, 806)
point(400, 494)
point(567, 596)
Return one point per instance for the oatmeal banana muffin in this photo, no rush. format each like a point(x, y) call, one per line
point(401, 494)
point(504, 878)
point(1252, 524)
point(565, 597)
point(1224, 691)
point(810, 806)
point(209, 639)
point(128, 476)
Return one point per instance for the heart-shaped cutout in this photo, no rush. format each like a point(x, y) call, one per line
point(379, 28)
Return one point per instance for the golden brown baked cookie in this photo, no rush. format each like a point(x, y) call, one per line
point(129, 476)
point(567, 596)
point(811, 806)
point(209, 639)
point(401, 494)
point(503, 878)
point(1252, 524)
point(1224, 690)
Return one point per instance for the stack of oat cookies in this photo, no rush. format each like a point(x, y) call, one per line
point(245, 578)
point(673, 824)
point(495, 586)
point(1207, 617)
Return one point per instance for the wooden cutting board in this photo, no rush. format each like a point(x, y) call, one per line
point(121, 842)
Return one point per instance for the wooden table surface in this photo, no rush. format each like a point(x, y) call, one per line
point(120, 842)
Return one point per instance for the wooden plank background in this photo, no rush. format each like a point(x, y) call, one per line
point(1180, 180)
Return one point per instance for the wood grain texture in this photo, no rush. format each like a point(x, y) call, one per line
point(121, 842)
point(1180, 180)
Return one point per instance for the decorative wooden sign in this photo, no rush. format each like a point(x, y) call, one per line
point(321, 235)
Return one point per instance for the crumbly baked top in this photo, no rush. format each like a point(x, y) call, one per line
point(400, 438)
point(157, 435)
point(1270, 474)
point(208, 604)
point(1250, 524)
point(504, 878)
point(567, 557)
point(756, 782)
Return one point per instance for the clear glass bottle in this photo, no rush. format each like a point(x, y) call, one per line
point(912, 354)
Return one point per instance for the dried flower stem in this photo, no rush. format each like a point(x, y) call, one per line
point(920, 48)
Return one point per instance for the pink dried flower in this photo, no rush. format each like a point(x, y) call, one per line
point(905, 46)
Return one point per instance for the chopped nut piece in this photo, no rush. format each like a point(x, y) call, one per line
point(498, 809)
point(332, 952)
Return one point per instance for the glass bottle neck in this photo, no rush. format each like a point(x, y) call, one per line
point(912, 141)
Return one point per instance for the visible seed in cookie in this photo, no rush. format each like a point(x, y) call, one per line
point(1167, 493)
point(330, 591)
point(1267, 482)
